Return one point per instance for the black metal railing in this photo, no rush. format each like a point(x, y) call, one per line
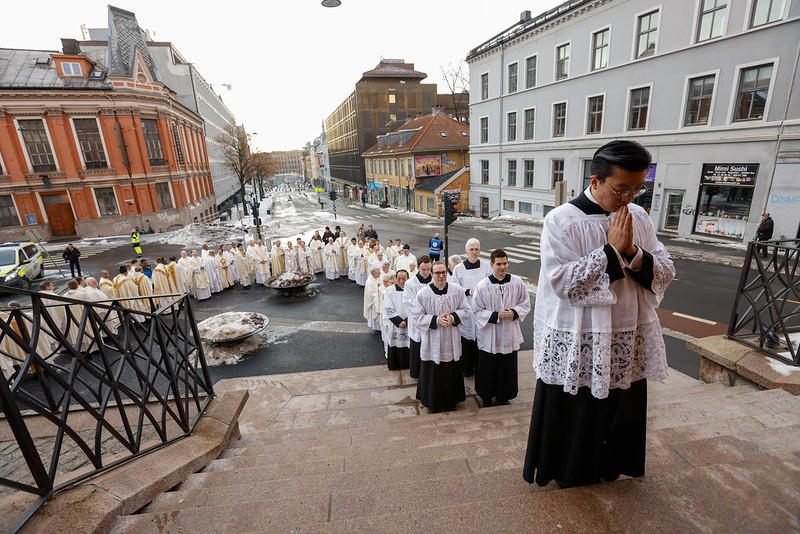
point(94, 384)
point(766, 312)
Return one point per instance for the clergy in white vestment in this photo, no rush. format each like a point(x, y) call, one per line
point(260, 260)
point(162, 282)
point(331, 256)
point(94, 294)
point(277, 260)
point(441, 306)
point(405, 259)
point(415, 282)
point(212, 272)
point(225, 270)
point(106, 285)
point(371, 313)
point(178, 275)
point(389, 252)
point(343, 263)
point(387, 281)
point(79, 340)
point(204, 252)
point(305, 264)
point(499, 306)
point(395, 320)
point(201, 286)
point(351, 268)
point(188, 265)
point(467, 275)
point(597, 338)
point(144, 286)
point(228, 255)
point(241, 264)
point(126, 288)
point(16, 353)
point(360, 264)
point(316, 245)
point(290, 257)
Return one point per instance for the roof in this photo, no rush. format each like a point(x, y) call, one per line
point(394, 68)
point(36, 69)
point(526, 24)
point(432, 184)
point(427, 137)
point(125, 37)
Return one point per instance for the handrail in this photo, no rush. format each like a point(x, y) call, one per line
point(109, 383)
point(766, 311)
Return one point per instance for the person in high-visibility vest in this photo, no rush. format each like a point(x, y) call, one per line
point(135, 242)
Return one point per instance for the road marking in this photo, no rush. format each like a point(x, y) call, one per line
point(510, 260)
point(693, 318)
point(532, 246)
point(514, 254)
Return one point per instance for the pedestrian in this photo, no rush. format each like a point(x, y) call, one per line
point(499, 305)
point(439, 309)
point(326, 234)
point(135, 242)
point(764, 232)
point(364, 200)
point(597, 338)
point(435, 245)
point(71, 255)
point(361, 233)
point(371, 233)
point(467, 275)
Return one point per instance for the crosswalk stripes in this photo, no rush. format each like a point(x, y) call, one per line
point(518, 253)
point(86, 251)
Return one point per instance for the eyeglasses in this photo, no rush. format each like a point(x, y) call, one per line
point(439, 273)
point(627, 194)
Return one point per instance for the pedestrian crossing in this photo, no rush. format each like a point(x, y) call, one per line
point(87, 250)
point(518, 253)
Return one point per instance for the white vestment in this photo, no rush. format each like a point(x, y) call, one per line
point(413, 285)
point(439, 343)
point(331, 255)
point(261, 261)
point(492, 296)
point(316, 247)
point(468, 279)
point(394, 313)
point(371, 312)
point(291, 260)
point(212, 272)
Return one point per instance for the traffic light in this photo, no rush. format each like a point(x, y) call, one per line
point(257, 221)
point(450, 215)
point(332, 194)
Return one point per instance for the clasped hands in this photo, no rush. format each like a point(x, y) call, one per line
point(620, 233)
point(445, 320)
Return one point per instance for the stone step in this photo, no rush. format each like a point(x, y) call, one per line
point(719, 498)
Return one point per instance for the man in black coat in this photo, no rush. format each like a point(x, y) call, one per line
point(371, 233)
point(71, 255)
point(764, 232)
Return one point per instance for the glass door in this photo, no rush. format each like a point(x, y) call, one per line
point(673, 217)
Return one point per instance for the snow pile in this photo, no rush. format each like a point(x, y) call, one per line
point(196, 235)
point(230, 325)
point(232, 353)
point(289, 279)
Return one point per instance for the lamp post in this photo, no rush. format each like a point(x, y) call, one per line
point(408, 192)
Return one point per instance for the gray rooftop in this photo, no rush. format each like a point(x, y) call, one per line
point(124, 38)
point(35, 68)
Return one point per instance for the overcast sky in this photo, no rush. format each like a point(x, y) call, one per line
point(290, 62)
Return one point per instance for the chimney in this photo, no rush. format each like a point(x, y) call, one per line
point(70, 47)
point(525, 16)
point(408, 119)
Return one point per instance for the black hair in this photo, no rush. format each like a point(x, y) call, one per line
point(497, 253)
point(628, 155)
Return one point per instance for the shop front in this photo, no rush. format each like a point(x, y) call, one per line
point(725, 198)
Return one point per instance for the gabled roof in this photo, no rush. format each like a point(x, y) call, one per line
point(125, 38)
point(428, 137)
point(432, 184)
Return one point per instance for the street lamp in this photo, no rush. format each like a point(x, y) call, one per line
point(408, 192)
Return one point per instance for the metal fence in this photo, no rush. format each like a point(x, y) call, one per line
point(766, 312)
point(94, 384)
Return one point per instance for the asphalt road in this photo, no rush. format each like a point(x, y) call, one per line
point(323, 328)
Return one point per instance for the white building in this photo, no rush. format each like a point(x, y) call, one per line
point(710, 87)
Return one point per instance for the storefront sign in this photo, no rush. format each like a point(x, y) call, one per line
point(178, 143)
point(729, 174)
point(651, 174)
point(427, 165)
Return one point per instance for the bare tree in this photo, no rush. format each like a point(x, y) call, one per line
point(264, 166)
point(235, 143)
point(456, 78)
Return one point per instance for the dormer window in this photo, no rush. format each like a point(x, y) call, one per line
point(71, 69)
point(464, 134)
point(443, 134)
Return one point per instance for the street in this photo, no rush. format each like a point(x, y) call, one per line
point(323, 328)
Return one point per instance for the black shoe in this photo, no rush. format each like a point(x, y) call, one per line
point(486, 402)
point(502, 402)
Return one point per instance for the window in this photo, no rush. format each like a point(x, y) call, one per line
point(91, 145)
point(71, 69)
point(392, 116)
point(530, 72)
point(164, 196)
point(752, 97)
point(640, 101)
point(766, 11)
point(530, 122)
point(512, 126)
point(8, 213)
point(595, 112)
point(562, 61)
point(429, 205)
point(402, 167)
point(600, 49)
point(512, 77)
point(698, 105)
point(558, 171)
point(484, 86)
point(37, 145)
point(587, 173)
point(152, 141)
point(647, 31)
point(512, 173)
point(484, 129)
point(508, 205)
point(392, 98)
point(525, 207)
point(484, 171)
point(528, 172)
point(106, 201)
point(559, 119)
point(712, 19)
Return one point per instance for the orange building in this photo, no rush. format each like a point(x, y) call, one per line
point(96, 146)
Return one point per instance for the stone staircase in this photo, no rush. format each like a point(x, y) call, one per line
point(350, 451)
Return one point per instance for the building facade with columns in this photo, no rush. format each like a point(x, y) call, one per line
point(96, 145)
point(710, 88)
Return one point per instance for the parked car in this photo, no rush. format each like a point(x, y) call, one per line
point(20, 263)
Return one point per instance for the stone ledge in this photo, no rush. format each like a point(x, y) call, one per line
point(730, 363)
point(95, 504)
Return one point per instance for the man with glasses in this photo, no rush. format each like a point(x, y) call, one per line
point(597, 338)
point(440, 308)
